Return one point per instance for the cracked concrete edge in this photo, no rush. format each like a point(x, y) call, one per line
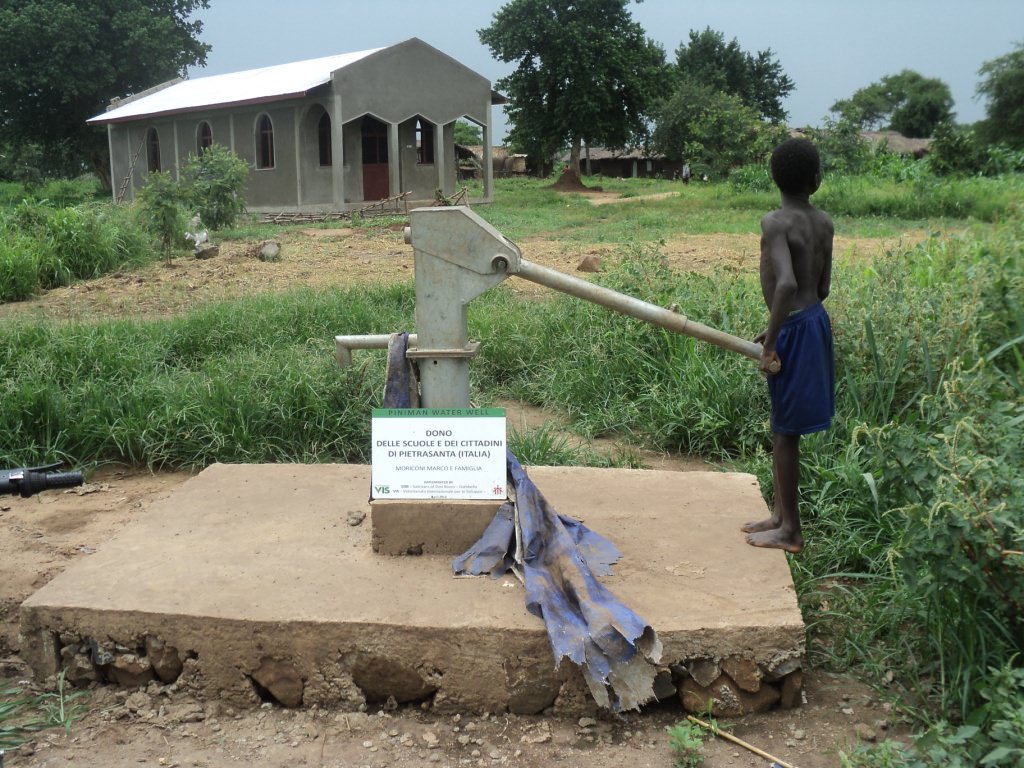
point(465, 669)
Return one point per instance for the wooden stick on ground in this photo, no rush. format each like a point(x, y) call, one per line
point(735, 740)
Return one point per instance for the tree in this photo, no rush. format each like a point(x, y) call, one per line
point(841, 146)
point(1003, 86)
point(711, 129)
point(758, 80)
point(585, 72)
point(906, 102)
point(61, 61)
point(954, 150)
point(467, 134)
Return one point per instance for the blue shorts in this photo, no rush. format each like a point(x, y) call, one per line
point(803, 393)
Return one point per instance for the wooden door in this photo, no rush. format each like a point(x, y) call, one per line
point(376, 180)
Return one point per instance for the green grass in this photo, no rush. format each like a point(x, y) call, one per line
point(547, 446)
point(24, 714)
point(861, 206)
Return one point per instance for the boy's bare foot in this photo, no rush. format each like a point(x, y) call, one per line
point(777, 539)
point(761, 525)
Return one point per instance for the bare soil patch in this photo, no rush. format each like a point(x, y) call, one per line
point(570, 181)
point(613, 198)
point(336, 258)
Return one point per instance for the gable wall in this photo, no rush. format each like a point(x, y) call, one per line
point(413, 79)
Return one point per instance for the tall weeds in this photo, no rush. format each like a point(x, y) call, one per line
point(44, 247)
point(250, 381)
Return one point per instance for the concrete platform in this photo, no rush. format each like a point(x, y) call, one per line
point(249, 583)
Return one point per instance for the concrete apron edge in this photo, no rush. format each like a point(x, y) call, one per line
point(350, 666)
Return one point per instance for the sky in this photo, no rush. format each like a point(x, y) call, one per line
point(829, 48)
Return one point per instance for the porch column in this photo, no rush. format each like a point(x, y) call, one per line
point(440, 167)
point(177, 162)
point(297, 134)
point(115, 185)
point(488, 163)
point(394, 160)
point(337, 155)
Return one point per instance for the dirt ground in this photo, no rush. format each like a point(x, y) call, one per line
point(337, 257)
point(160, 726)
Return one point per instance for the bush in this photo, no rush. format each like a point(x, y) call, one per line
point(925, 197)
point(211, 184)
point(991, 737)
point(163, 207)
point(1001, 159)
point(11, 193)
point(80, 244)
point(754, 177)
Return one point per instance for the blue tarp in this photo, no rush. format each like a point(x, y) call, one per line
point(557, 558)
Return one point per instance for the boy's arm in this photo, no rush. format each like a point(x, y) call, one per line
point(775, 249)
point(825, 282)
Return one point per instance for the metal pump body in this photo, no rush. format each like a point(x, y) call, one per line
point(459, 256)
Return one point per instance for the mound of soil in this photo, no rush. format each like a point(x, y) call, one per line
point(569, 181)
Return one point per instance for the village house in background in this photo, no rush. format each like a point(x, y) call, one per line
point(637, 163)
point(898, 143)
point(332, 133)
point(625, 163)
point(504, 164)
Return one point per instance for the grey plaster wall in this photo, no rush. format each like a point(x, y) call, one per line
point(269, 187)
point(125, 143)
point(117, 137)
point(418, 179)
point(352, 139)
point(316, 182)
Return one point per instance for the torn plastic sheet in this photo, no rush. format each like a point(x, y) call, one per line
point(400, 390)
point(557, 558)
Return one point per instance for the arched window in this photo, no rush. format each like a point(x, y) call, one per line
point(204, 137)
point(424, 142)
point(323, 129)
point(152, 150)
point(264, 142)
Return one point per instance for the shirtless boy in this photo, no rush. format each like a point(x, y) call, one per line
point(796, 268)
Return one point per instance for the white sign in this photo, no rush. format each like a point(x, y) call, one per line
point(438, 453)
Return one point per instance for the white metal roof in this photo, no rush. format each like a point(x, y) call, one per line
point(249, 87)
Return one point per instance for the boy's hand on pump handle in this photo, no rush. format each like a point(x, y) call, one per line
point(769, 364)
